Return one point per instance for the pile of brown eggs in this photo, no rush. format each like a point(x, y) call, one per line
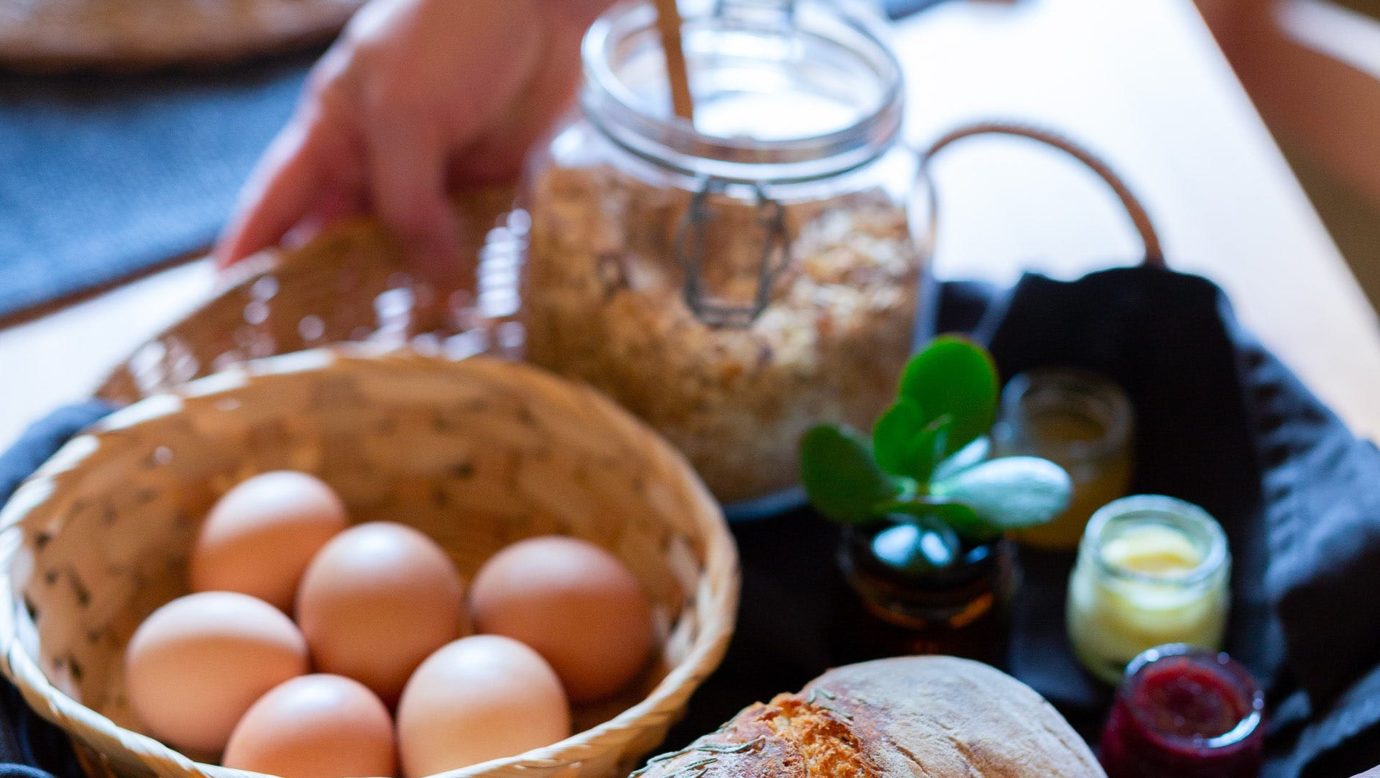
point(312, 648)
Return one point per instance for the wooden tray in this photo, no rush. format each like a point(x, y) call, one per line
point(136, 34)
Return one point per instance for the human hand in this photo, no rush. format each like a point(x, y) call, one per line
point(417, 98)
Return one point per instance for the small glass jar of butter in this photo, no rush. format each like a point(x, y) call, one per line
point(1080, 421)
point(1151, 570)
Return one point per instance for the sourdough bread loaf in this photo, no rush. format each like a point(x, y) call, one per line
point(892, 718)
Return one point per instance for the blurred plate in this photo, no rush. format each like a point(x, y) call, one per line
point(136, 34)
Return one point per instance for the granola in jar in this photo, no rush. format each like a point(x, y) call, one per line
point(604, 303)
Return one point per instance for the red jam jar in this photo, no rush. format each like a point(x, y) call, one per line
point(1187, 713)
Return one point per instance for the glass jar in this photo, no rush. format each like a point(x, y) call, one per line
point(1151, 570)
point(961, 610)
point(736, 280)
point(1186, 713)
point(1082, 422)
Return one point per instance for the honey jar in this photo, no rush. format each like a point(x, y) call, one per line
point(1084, 423)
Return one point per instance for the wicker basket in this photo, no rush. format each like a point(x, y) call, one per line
point(477, 453)
point(338, 287)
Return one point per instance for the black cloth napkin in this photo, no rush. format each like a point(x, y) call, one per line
point(1221, 423)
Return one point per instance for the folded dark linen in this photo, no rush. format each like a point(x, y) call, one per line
point(1221, 422)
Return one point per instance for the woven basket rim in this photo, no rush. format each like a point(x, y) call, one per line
point(235, 279)
point(666, 699)
point(242, 276)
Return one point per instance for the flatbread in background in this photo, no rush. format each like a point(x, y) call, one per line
point(133, 34)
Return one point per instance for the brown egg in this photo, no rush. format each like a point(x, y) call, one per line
point(315, 726)
point(376, 601)
point(477, 699)
point(196, 665)
point(573, 602)
point(259, 537)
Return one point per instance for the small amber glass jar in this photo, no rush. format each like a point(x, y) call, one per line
point(1151, 570)
point(1082, 422)
point(962, 610)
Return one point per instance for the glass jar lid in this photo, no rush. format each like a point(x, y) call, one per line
point(1242, 698)
point(784, 90)
point(1066, 414)
point(1173, 543)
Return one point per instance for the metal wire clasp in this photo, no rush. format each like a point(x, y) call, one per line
point(690, 249)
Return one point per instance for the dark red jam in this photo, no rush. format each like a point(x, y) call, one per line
point(1186, 713)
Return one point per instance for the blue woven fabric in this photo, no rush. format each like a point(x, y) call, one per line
point(104, 176)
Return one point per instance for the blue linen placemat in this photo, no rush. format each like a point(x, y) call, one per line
point(104, 176)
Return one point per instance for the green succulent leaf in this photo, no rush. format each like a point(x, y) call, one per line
point(953, 376)
point(972, 454)
point(892, 434)
point(917, 545)
point(1010, 492)
point(928, 464)
point(962, 518)
point(840, 476)
point(928, 447)
point(906, 443)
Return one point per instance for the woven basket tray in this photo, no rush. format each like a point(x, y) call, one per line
point(135, 34)
point(341, 286)
point(477, 453)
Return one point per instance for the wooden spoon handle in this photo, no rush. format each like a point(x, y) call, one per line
point(668, 23)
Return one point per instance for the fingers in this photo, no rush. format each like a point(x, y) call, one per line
point(336, 203)
point(407, 182)
point(278, 194)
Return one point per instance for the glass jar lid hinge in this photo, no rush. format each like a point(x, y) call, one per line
point(690, 251)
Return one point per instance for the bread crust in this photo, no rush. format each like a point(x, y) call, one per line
point(904, 717)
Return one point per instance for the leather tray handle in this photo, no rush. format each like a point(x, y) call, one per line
point(1154, 254)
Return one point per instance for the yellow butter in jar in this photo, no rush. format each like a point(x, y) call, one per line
point(1151, 570)
point(1082, 422)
